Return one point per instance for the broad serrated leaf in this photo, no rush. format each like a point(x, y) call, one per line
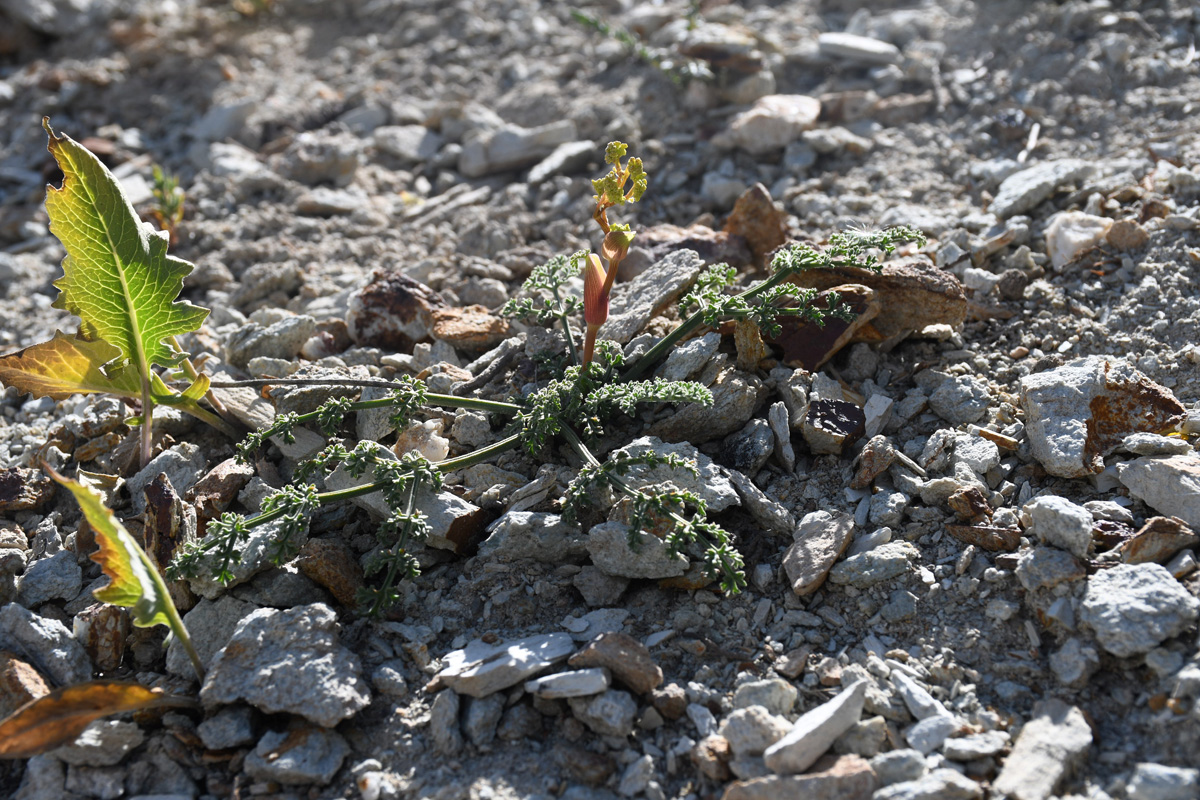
point(133, 581)
point(117, 276)
point(64, 366)
point(58, 718)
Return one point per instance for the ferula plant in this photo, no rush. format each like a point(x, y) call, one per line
point(585, 400)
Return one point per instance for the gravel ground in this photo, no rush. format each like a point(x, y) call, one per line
point(997, 597)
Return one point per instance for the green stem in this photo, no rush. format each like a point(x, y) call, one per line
point(570, 339)
point(190, 370)
point(204, 415)
point(664, 345)
point(401, 541)
point(449, 400)
point(174, 621)
point(147, 432)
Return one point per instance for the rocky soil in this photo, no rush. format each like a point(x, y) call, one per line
point(982, 584)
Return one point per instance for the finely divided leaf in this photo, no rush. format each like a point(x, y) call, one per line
point(117, 276)
point(64, 366)
point(133, 581)
point(58, 718)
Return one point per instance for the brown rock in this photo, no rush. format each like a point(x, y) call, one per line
point(830, 425)
point(759, 221)
point(584, 765)
point(807, 345)
point(629, 660)
point(670, 701)
point(969, 503)
point(711, 755)
point(1012, 283)
point(793, 663)
point(877, 455)
point(102, 630)
point(20, 683)
point(168, 523)
point(713, 247)
point(471, 328)
point(912, 296)
point(24, 489)
point(987, 538)
point(393, 312)
point(12, 536)
point(1126, 235)
point(847, 106)
point(751, 349)
point(216, 490)
point(819, 542)
point(330, 563)
point(94, 448)
point(1108, 533)
point(848, 777)
point(1158, 541)
point(901, 108)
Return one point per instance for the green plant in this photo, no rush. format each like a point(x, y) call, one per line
point(121, 283)
point(168, 199)
point(678, 68)
point(584, 403)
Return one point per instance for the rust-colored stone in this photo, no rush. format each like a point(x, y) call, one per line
point(1126, 235)
point(712, 755)
point(1126, 407)
point(757, 219)
point(877, 455)
point(901, 108)
point(629, 660)
point(102, 630)
point(470, 328)
point(848, 777)
point(20, 682)
point(1107, 533)
point(987, 537)
point(168, 522)
point(393, 312)
point(1158, 541)
point(216, 490)
point(969, 504)
point(330, 563)
point(751, 349)
point(94, 448)
point(24, 489)
point(807, 345)
point(912, 295)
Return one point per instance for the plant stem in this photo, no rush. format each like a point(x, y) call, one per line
point(449, 400)
point(147, 433)
point(190, 370)
point(401, 541)
point(204, 415)
point(664, 345)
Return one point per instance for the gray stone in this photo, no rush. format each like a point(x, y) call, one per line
point(576, 683)
point(815, 731)
point(976, 746)
point(1159, 782)
point(388, 678)
point(1074, 663)
point(471, 428)
point(853, 47)
point(594, 623)
point(632, 304)
point(511, 147)
point(735, 397)
point(1059, 522)
point(1047, 567)
point(410, 143)
point(597, 587)
point(777, 416)
point(59, 17)
point(223, 121)
point(867, 569)
point(688, 358)
point(255, 555)
point(709, 484)
point(771, 124)
point(901, 605)
point(887, 508)
point(282, 339)
point(772, 516)
point(102, 744)
point(1023, 191)
point(183, 464)
point(941, 784)
point(1170, 485)
point(1153, 444)
point(102, 783)
point(310, 755)
point(931, 732)
point(752, 729)
point(480, 669)
point(1135, 607)
point(747, 450)
point(536, 535)
point(609, 714)
point(443, 723)
point(46, 643)
point(636, 777)
point(774, 694)
point(960, 400)
point(608, 545)
point(568, 157)
point(210, 624)
point(898, 766)
point(1080, 412)
point(321, 156)
point(820, 540)
point(55, 578)
point(232, 726)
point(1107, 509)
point(480, 718)
point(44, 779)
point(1048, 749)
point(288, 661)
point(865, 739)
